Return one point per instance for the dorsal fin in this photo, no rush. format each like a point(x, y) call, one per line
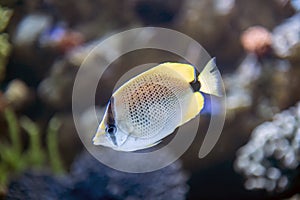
point(185, 70)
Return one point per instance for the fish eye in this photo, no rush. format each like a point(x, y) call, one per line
point(111, 129)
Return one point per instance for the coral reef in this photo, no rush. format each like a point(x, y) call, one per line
point(286, 40)
point(217, 24)
point(261, 86)
point(256, 45)
point(266, 78)
point(271, 158)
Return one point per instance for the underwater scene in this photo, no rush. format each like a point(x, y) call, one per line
point(150, 99)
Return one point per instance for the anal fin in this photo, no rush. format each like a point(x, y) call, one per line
point(195, 106)
point(154, 144)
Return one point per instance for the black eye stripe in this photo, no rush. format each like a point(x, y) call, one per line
point(111, 129)
point(110, 115)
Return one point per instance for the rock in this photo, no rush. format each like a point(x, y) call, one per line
point(93, 180)
point(35, 186)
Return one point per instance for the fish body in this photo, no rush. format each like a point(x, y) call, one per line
point(150, 106)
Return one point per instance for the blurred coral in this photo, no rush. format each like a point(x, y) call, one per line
point(286, 39)
point(18, 94)
point(260, 87)
point(271, 158)
point(50, 39)
point(56, 89)
point(217, 24)
point(61, 39)
point(30, 28)
point(257, 39)
point(263, 82)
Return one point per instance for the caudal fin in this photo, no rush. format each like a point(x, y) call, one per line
point(210, 79)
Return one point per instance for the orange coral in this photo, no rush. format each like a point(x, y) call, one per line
point(257, 39)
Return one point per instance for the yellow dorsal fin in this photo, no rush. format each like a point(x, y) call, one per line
point(194, 108)
point(185, 70)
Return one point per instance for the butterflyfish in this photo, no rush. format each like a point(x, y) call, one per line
point(151, 105)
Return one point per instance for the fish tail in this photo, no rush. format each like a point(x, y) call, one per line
point(210, 79)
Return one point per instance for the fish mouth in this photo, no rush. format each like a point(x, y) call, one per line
point(96, 141)
point(99, 137)
point(103, 141)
